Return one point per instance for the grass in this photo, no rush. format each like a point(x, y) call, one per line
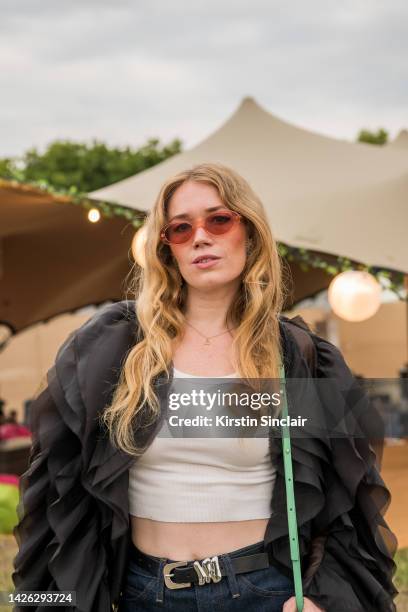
point(8, 550)
point(401, 579)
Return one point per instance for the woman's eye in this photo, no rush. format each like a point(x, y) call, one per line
point(181, 227)
point(221, 219)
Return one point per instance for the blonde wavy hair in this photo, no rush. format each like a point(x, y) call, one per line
point(160, 295)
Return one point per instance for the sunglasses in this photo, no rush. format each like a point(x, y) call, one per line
point(216, 223)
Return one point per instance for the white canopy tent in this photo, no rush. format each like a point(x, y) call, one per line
point(320, 193)
point(400, 142)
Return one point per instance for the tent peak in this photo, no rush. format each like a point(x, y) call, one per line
point(251, 108)
point(248, 100)
point(249, 103)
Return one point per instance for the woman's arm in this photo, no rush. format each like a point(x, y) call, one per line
point(356, 561)
point(61, 539)
point(37, 542)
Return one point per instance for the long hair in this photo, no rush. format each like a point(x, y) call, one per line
point(160, 296)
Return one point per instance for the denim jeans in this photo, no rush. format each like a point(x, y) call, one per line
point(264, 590)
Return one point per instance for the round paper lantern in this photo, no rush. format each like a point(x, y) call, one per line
point(138, 246)
point(354, 295)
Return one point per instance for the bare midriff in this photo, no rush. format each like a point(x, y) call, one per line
point(187, 541)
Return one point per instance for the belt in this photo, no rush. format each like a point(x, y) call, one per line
point(180, 574)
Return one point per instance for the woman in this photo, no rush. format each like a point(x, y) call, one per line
point(123, 516)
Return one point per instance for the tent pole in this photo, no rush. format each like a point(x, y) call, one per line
point(406, 302)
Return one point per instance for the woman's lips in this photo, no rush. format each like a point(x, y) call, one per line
point(206, 264)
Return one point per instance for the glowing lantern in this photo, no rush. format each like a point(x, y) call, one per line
point(138, 246)
point(354, 295)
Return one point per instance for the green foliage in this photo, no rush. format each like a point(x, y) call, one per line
point(74, 169)
point(8, 169)
point(308, 260)
point(9, 498)
point(85, 167)
point(378, 138)
point(401, 577)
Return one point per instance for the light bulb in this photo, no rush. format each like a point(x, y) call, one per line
point(94, 215)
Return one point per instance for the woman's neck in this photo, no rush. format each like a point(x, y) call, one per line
point(207, 312)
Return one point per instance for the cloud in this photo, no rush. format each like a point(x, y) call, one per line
point(124, 72)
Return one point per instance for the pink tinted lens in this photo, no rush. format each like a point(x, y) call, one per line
point(219, 223)
point(216, 223)
point(179, 232)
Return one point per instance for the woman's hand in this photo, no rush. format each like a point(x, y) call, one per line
point(308, 606)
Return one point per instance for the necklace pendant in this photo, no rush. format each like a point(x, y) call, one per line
point(207, 342)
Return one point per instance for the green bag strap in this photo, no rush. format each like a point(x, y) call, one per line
point(290, 498)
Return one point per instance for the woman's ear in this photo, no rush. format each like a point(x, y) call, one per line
point(248, 245)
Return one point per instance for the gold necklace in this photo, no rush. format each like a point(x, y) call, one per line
point(207, 338)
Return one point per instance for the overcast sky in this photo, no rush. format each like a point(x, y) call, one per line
point(125, 71)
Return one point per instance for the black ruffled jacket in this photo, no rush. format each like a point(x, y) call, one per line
point(73, 529)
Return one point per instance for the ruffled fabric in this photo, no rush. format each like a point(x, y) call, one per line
point(74, 531)
point(73, 525)
point(339, 493)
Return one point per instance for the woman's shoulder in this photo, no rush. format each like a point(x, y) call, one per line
point(108, 315)
point(88, 363)
point(324, 359)
point(109, 320)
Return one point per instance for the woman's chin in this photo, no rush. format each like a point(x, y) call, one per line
point(213, 284)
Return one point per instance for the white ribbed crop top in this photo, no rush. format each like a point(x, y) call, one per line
point(202, 479)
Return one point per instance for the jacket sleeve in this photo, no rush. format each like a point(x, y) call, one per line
point(33, 532)
point(58, 532)
point(351, 563)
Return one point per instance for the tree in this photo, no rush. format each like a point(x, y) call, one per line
point(87, 167)
point(379, 138)
point(7, 168)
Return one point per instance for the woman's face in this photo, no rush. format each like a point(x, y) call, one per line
point(193, 198)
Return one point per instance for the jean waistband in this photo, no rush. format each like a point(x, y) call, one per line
point(238, 552)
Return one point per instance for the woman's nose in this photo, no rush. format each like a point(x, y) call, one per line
point(200, 234)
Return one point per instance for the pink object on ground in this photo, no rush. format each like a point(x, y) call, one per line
point(13, 430)
point(9, 479)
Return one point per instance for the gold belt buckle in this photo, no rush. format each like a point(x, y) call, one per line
point(167, 575)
